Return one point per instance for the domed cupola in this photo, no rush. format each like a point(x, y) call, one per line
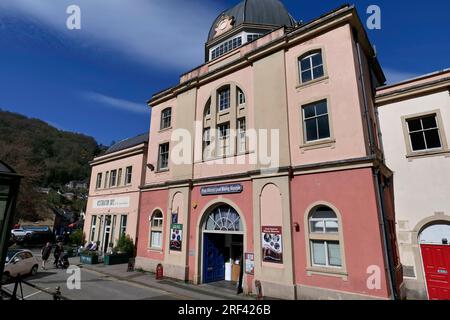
point(245, 22)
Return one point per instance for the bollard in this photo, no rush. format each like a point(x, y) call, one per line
point(159, 272)
point(259, 292)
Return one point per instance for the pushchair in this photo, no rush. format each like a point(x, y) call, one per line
point(63, 261)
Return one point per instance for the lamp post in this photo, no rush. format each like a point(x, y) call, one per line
point(9, 188)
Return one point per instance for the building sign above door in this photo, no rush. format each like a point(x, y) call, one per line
point(223, 189)
point(112, 203)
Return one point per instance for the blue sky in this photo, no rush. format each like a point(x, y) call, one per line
point(96, 80)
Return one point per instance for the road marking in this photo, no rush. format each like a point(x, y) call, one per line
point(33, 294)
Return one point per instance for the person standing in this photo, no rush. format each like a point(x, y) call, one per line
point(57, 253)
point(46, 250)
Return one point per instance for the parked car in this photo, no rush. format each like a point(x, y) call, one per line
point(37, 239)
point(21, 232)
point(19, 262)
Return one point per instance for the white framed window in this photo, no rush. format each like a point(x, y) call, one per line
point(166, 118)
point(225, 47)
point(98, 185)
point(119, 178)
point(106, 180)
point(241, 97)
point(424, 133)
point(207, 144)
point(93, 227)
point(224, 144)
point(113, 180)
point(207, 111)
point(324, 238)
point(252, 37)
point(223, 100)
point(163, 159)
point(156, 230)
point(128, 175)
point(311, 66)
point(123, 224)
point(241, 135)
point(316, 123)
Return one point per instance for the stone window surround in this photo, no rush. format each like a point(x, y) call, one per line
point(323, 143)
point(410, 154)
point(232, 115)
point(156, 229)
point(327, 271)
point(306, 52)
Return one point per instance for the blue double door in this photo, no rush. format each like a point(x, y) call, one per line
point(213, 257)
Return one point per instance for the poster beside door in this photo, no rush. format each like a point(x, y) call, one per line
point(272, 244)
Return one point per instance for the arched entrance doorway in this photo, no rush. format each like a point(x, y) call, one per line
point(434, 244)
point(222, 249)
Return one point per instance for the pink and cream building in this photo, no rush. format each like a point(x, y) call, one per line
point(113, 203)
point(322, 225)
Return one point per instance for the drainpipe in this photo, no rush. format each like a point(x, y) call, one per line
point(386, 243)
point(376, 175)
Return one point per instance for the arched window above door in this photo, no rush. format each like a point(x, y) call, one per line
point(225, 219)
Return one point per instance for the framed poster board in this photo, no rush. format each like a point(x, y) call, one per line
point(272, 244)
point(176, 237)
point(250, 263)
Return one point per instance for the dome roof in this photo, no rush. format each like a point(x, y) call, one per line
point(264, 12)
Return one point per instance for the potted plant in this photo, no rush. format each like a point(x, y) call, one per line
point(122, 252)
point(89, 257)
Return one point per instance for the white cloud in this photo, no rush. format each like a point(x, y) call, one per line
point(116, 103)
point(165, 33)
point(394, 76)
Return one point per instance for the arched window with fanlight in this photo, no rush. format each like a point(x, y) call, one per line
point(156, 230)
point(325, 238)
point(223, 219)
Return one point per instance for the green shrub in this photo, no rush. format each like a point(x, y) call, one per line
point(125, 245)
point(76, 238)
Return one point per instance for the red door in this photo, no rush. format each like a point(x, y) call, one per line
point(436, 261)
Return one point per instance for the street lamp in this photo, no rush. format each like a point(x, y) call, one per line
point(9, 188)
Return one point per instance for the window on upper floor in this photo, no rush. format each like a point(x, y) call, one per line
point(119, 177)
point(128, 175)
point(98, 184)
point(207, 144)
point(207, 111)
point(225, 47)
point(224, 140)
point(316, 124)
point(106, 180)
point(311, 66)
point(113, 179)
point(223, 99)
point(163, 159)
point(424, 133)
point(241, 135)
point(252, 37)
point(240, 97)
point(166, 118)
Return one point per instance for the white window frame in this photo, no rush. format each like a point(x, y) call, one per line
point(224, 139)
point(166, 119)
point(327, 254)
point(224, 99)
point(242, 135)
point(129, 175)
point(310, 56)
point(156, 228)
point(423, 133)
point(162, 153)
point(316, 118)
point(98, 184)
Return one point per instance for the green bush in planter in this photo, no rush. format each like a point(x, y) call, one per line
point(89, 257)
point(125, 245)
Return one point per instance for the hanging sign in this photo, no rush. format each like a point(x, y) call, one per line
point(176, 237)
point(272, 240)
point(223, 189)
point(250, 263)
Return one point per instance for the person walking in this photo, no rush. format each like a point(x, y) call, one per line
point(46, 250)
